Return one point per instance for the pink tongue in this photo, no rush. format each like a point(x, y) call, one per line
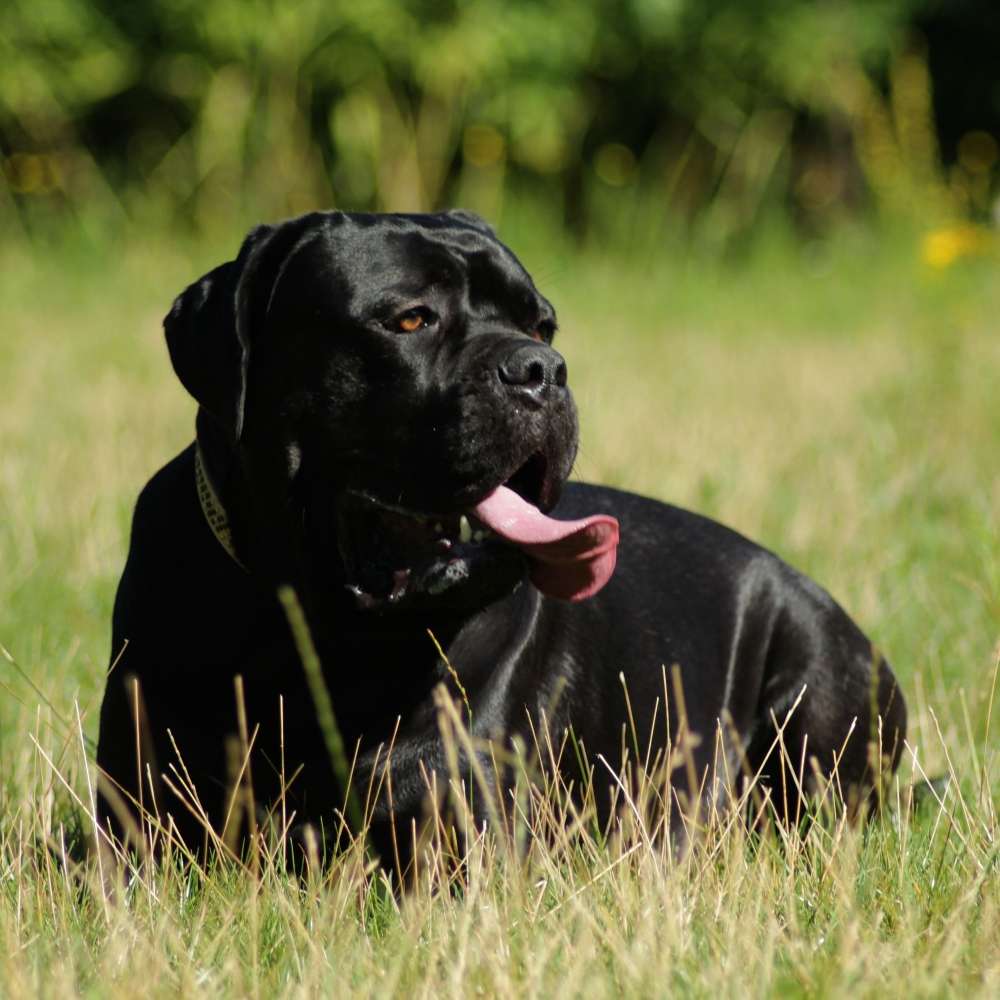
point(570, 560)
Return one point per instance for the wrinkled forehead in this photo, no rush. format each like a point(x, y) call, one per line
point(357, 260)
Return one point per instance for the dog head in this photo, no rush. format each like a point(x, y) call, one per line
point(399, 419)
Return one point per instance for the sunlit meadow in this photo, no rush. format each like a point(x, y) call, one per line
point(838, 402)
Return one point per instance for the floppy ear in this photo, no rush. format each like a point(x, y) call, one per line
point(212, 325)
point(204, 344)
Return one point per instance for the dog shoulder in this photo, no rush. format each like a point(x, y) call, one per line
point(178, 580)
point(167, 505)
point(173, 555)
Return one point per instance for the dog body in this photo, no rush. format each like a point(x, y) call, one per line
point(382, 423)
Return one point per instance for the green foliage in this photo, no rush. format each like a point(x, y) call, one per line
point(217, 113)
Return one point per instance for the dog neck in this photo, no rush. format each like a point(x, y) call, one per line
point(211, 507)
point(216, 476)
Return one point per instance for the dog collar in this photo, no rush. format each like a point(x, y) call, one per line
point(211, 507)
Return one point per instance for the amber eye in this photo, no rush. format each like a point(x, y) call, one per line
point(413, 320)
point(543, 331)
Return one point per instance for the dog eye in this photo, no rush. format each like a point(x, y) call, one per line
point(543, 331)
point(413, 320)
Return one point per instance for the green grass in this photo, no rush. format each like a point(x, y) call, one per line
point(839, 404)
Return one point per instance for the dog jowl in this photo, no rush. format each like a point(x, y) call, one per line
point(384, 426)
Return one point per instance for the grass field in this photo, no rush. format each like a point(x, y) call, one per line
point(841, 404)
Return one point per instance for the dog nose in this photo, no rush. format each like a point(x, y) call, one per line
point(532, 368)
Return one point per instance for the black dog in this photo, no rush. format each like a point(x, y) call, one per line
point(382, 423)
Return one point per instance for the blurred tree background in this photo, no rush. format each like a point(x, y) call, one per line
point(628, 122)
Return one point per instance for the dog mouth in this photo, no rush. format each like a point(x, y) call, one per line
point(395, 557)
point(530, 481)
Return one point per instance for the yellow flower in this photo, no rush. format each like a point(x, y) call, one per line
point(942, 247)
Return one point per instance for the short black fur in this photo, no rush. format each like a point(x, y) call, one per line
point(320, 420)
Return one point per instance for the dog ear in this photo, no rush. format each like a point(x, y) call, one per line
point(213, 323)
point(206, 350)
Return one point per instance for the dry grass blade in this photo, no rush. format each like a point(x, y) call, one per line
point(324, 706)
